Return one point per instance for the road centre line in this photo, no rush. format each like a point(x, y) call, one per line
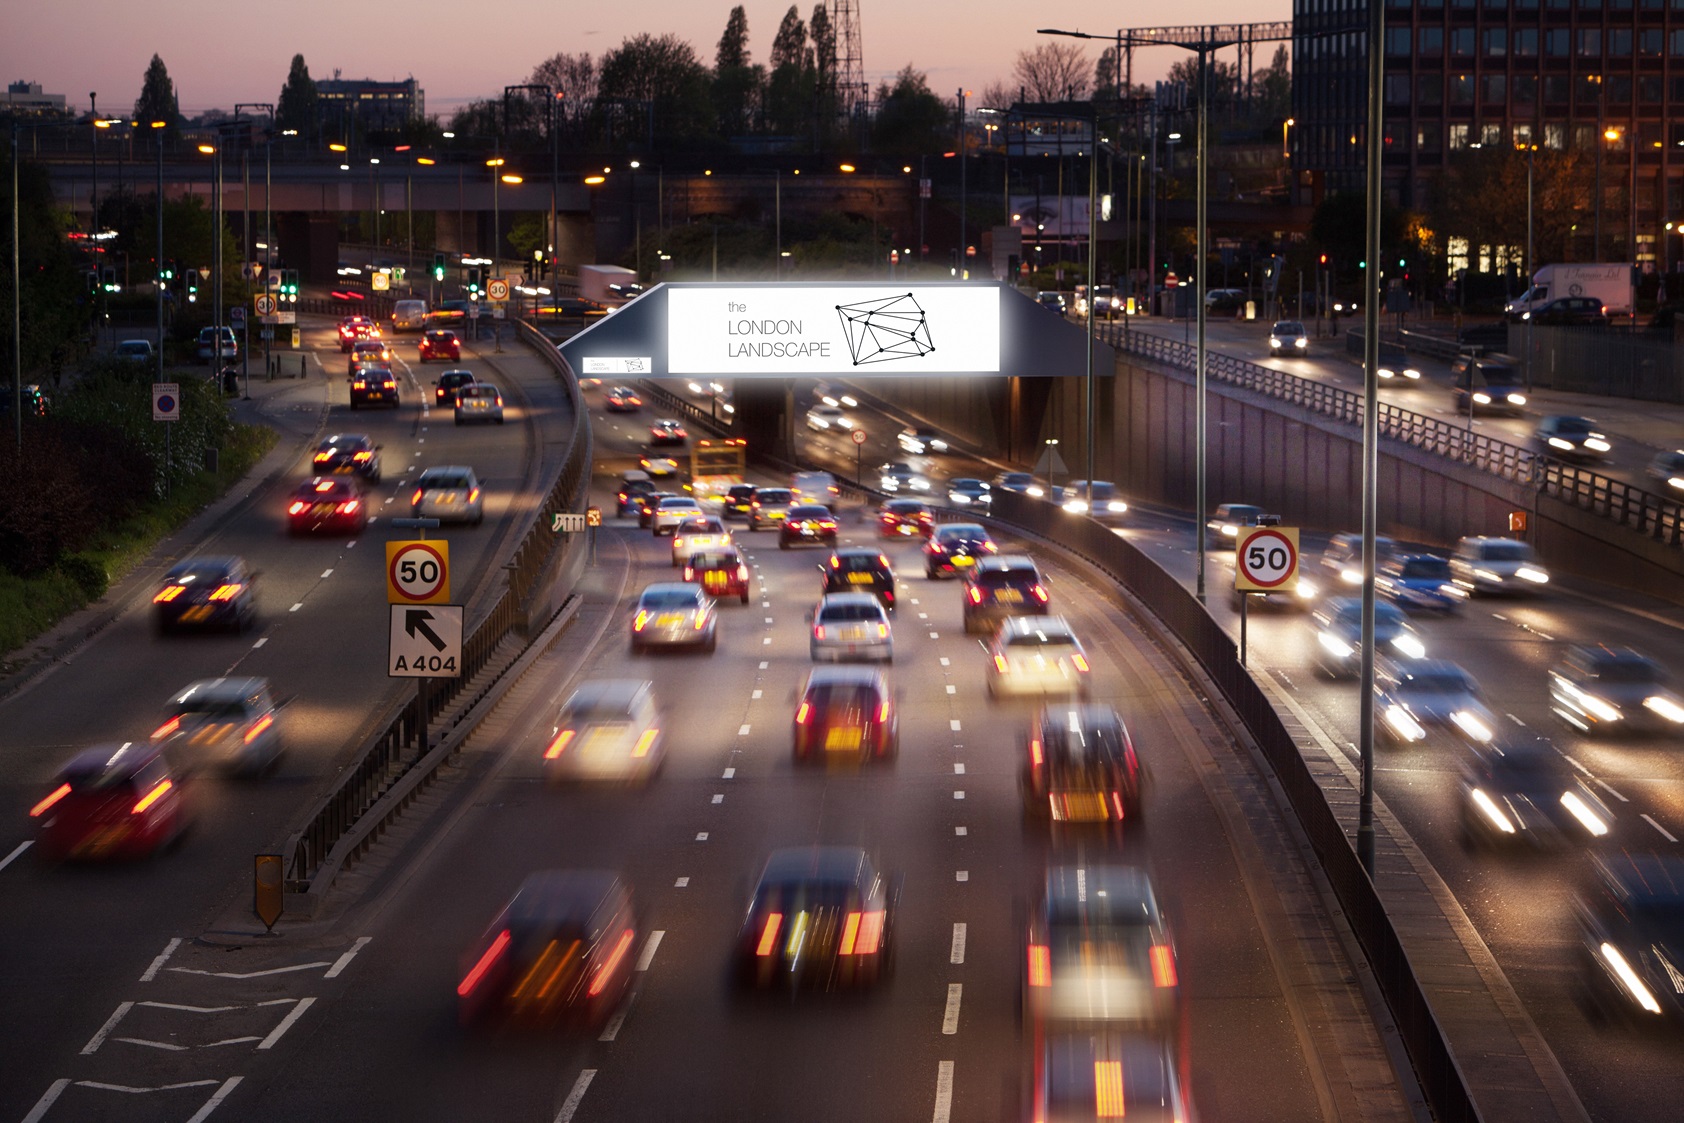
point(327, 573)
point(742, 730)
point(956, 953)
point(935, 635)
point(944, 1093)
point(216, 1099)
point(649, 946)
point(961, 832)
point(951, 689)
point(296, 607)
point(953, 725)
point(729, 773)
point(261, 640)
point(1666, 834)
point(163, 957)
point(681, 883)
point(19, 849)
point(612, 1029)
point(1603, 784)
point(286, 1023)
point(764, 664)
point(719, 797)
point(344, 961)
point(99, 1037)
point(946, 662)
point(961, 875)
point(571, 1103)
point(958, 768)
point(701, 836)
point(1516, 720)
point(958, 795)
point(1574, 763)
point(950, 1016)
point(756, 695)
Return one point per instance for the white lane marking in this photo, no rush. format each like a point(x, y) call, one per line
point(935, 635)
point(1574, 763)
point(914, 600)
point(756, 694)
point(961, 875)
point(250, 974)
point(718, 797)
point(945, 661)
point(766, 642)
point(286, 1024)
point(764, 664)
point(13, 856)
point(958, 769)
point(571, 1103)
point(729, 773)
point(47, 1099)
point(612, 1029)
point(1603, 784)
point(389, 498)
point(261, 641)
point(1666, 834)
point(961, 832)
point(98, 1038)
point(649, 946)
point(344, 961)
point(156, 1044)
point(742, 731)
point(1498, 616)
point(351, 545)
point(958, 795)
point(768, 619)
point(950, 1016)
point(163, 957)
point(954, 725)
point(951, 689)
point(327, 573)
point(944, 1093)
point(681, 883)
point(216, 1099)
point(923, 616)
point(1516, 720)
point(296, 607)
point(701, 836)
point(956, 954)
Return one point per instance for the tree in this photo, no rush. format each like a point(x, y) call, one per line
point(573, 79)
point(733, 45)
point(1052, 72)
point(52, 300)
point(296, 107)
point(157, 97)
point(1272, 88)
point(663, 73)
point(789, 45)
point(1107, 76)
point(1223, 78)
point(827, 107)
point(788, 99)
point(736, 83)
point(910, 119)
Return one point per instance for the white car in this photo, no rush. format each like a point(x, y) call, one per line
point(697, 536)
point(829, 419)
point(672, 511)
point(449, 494)
point(851, 626)
point(608, 729)
point(900, 476)
point(232, 724)
point(1037, 655)
point(1411, 697)
point(479, 402)
point(135, 351)
point(1496, 565)
point(1097, 497)
point(920, 440)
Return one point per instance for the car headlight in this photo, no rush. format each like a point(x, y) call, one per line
point(1350, 576)
point(1581, 811)
point(1410, 645)
point(1472, 725)
point(1301, 342)
point(1666, 707)
point(1412, 374)
point(1597, 443)
point(1230, 531)
point(1385, 372)
point(1403, 723)
point(1274, 341)
point(1517, 399)
point(1306, 590)
point(1628, 978)
point(1117, 507)
point(1565, 446)
point(1035, 492)
point(1335, 645)
point(1483, 399)
point(1493, 814)
point(939, 446)
point(1490, 575)
point(1675, 481)
point(1450, 590)
point(1077, 506)
point(1533, 574)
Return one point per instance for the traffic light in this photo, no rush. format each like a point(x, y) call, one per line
point(438, 267)
point(1324, 259)
point(167, 273)
point(93, 280)
point(192, 286)
point(474, 282)
point(110, 278)
point(289, 286)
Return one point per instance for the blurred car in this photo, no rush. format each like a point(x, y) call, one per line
point(1572, 438)
point(846, 714)
point(770, 506)
point(859, 569)
point(1301, 595)
point(647, 501)
point(347, 454)
point(822, 917)
point(1222, 531)
point(697, 534)
point(608, 729)
point(1573, 311)
point(673, 614)
point(834, 396)
point(1412, 698)
point(1631, 929)
point(1019, 481)
point(999, 586)
point(1496, 565)
point(450, 493)
point(954, 548)
point(905, 518)
point(1419, 583)
point(111, 801)
point(479, 402)
point(738, 502)
point(1081, 767)
point(1519, 791)
point(449, 384)
point(621, 399)
point(1338, 626)
point(137, 351)
point(666, 431)
point(662, 468)
point(1051, 301)
point(807, 524)
point(1288, 337)
point(815, 487)
point(1098, 498)
point(207, 344)
point(226, 724)
point(374, 384)
point(829, 419)
point(1342, 559)
point(633, 483)
point(1395, 368)
point(439, 343)
point(574, 308)
point(354, 328)
point(720, 571)
point(1108, 1075)
point(1037, 655)
point(207, 592)
point(1486, 385)
point(366, 351)
point(1100, 954)
point(967, 491)
point(900, 476)
point(1668, 469)
point(326, 503)
point(921, 440)
point(562, 949)
point(672, 512)
point(1600, 690)
point(851, 626)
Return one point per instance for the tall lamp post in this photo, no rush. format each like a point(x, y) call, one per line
point(215, 152)
point(552, 98)
point(1531, 264)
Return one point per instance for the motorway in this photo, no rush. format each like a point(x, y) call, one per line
point(115, 991)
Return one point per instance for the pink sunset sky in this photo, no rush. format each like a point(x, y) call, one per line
point(223, 52)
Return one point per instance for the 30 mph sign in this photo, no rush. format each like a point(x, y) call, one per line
point(1266, 558)
point(418, 572)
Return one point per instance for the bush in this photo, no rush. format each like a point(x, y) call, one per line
point(86, 573)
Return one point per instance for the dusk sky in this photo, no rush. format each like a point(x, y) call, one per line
point(222, 52)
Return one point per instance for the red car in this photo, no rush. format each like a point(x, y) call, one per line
point(112, 801)
point(355, 328)
point(440, 344)
point(905, 518)
point(326, 503)
point(720, 572)
point(847, 714)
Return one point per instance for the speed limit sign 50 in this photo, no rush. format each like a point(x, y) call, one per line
point(1266, 558)
point(418, 572)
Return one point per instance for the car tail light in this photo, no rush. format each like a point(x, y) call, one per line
point(363, 456)
point(416, 498)
point(167, 728)
point(1040, 965)
point(835, 562)
point(388, 385)
point(803, 712)
point(349, 507)
point(473, 496)
point(862, 933)
point(359, 384)
point(324, 457)
point(882, 631)
point(258, 726)
point(226, 592)
point(606, 971)
point(472, 979)
point(991, 547)
point(882, 713)
point(645, 743)
point(559, 745)
point(53, 797)
point(818, 631)
point(298, 508)
point(152, 796)
point(742, 573)
point(168, 594)
point(827, 524)
point(1108, 1101)
point(1117, 806)
point(689, 573)
point(324, 485)
point(769, 934)
point(702, 619)
point(1163, 965)
point(1000, 664)
point(1040, 594)
point(975, 593)
point(640, 620)
point(1035, 752)
point(1081, 662)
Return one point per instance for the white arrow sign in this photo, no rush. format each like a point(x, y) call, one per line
point(425, 641)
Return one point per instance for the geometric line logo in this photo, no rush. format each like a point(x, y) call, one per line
point(881, 331)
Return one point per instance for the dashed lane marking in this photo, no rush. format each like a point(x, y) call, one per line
point(953, 725)
point(944, 1093)
point(729, 773)
point(344, 961)
point(327, 573)
point(961, 832)
point(649, 946)
point(958, 768)
point(958, 795)
point(1603, 784)
point(956, 952)
point(162, 958)
point(742, 730)
point(756, 694)
point(571, 1103)
point(18, 849)
point(951, 689)
point(701, 836)
point(719, 797)
point(296, 607)
point(260, 642)
point(950, 1016)
point(1666, 834)
point(961, 875)
point(681, 883)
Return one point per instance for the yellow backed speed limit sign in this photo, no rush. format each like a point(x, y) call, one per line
point(1266, 558)
point(263, 304)
point(418, 572)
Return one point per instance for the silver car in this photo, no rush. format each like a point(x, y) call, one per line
point(479, 402)
point(608, 729)
point(1497, 565)
point(449, 494)
point(226, 724)
point(851, 626)
point(673, 614)
point(1412, 697)
point(1037, 655)
point(1598, 689)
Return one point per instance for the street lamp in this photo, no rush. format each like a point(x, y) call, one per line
point(1531, 265)
point(215, 151)
point(495, 163)
point(1286, 148)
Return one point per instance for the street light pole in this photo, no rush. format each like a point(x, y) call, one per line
point(964, 267)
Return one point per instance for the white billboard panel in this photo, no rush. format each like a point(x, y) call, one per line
point(857, 330)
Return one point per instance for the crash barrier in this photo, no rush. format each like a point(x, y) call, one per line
point(389, 755)
point(1658, 517)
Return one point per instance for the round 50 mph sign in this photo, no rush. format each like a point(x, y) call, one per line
point(859, 436)
point(418, 572)
point(1266, 558)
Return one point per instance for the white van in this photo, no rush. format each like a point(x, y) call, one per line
point(409, 315)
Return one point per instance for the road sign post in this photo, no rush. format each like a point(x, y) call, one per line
point(166, 401)
point(1265, 560)
point(858, 437)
